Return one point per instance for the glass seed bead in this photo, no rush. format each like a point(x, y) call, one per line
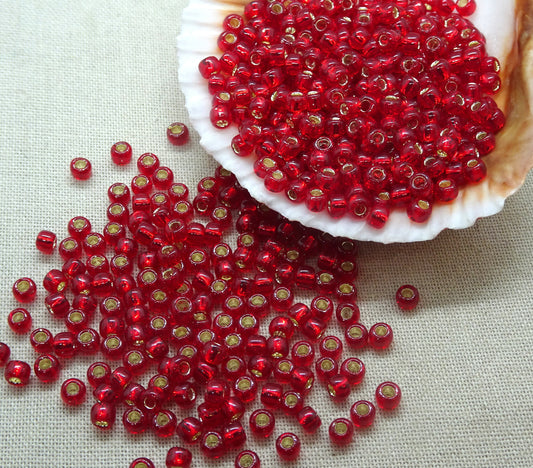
point(339, 387)
point(302, 353)
point(121, 153)
point(46, 368)
point(302, 379)
point(465, 7)
point(73, 393)
point(262, 423)
point(330, 346)
point(164, 423)
point(178, 457)
point(407, 297)
point(347, 314)
point(184, 395)
point(313, 328)
point(341, 431)
point(46, 242)
point(98, 373)
point(189, 429)
point(103, 415)
point(356, 336)
point(288, 446)
point(380, 336)
point(142, 463)
point(326, 367)
point(19, 320)
point(5, 352)
point(24, 290)
point(80, 168)
point(282, 371)
point(234, 435)
point(247, 459)
point(388, 395)
point(271, 394)
point(17, 373)
point(291, 402)
point(212, 444)
point(362, 413)
point(177, 134)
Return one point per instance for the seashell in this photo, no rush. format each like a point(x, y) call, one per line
point(507, 26)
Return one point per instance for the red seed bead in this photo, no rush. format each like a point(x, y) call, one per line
point(262, 423)
point(326, 367)
point(69, 248)
point(189, 429)
point(362, 413)
point(164, 423)
point(234, 409)
point(80, 168)
point(72, 268)
point(282, 370)
point(234, 435)
point(103, 415)
point(147, 163)
point(135, 421)
point(380, 336)
point(94, 243)
point(291, 402)
point(309, 419)
point(178, 457)
point(217, 392)
point(88, 341)
point(330, 346)
point(24, 290)
point(260, 367)
point(184, 395)
point(131, 396)
point(347, 314)
point(46, 242)
point(271, 394)
point(388, 395)
point(64, 345)
point(41, 340)
point(17, 373)
point(121, 153)
point(407, 297)
point(142, 463)
point(98, 373)
point(163, 178)
point(46, 368)
point(288, 446)
point(212, 444)
point(19, 320)
point(112, 347)
point(245, 388)
point(465, 7)
point(54, 281)
point(353, 369)
point(299, 313)
point(73, 393)
point(247, 459)
point(302, 379)
point(341, 431)
point(339, 387)
point(302, 353)
point(5, 352)
point(281, 326)
point(356, 336)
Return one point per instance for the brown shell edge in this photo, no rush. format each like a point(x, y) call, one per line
point(512, 159)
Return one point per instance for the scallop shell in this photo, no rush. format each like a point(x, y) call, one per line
point(507, 25)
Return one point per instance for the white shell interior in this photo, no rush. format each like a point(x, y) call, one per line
point(201, 26)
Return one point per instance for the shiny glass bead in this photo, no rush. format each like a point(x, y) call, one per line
point(380, 336)
point(388, 395)
point(24, 290)
point(362, 413)
point(46, 242)
point(234, 435)
point(288, 446)
point(178, 457)
point(103, 415)
point(356, 336)
point(73, 393)
point(121, 153)
point(407, 297)
point(212, 444)
point(189, 429)
point(142, 463)
point(339, 387)
point(341, 431)
point(177, 134)
point(247, 459)
point(81, 168)
point(19, 320)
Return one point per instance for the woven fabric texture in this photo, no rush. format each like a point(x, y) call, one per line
point(75, 77)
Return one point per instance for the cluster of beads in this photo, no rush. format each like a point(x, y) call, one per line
point(358, 108)
point(162, 286)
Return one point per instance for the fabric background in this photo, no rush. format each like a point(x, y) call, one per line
point(75, 77)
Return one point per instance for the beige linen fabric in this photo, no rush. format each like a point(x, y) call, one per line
point(75, 77)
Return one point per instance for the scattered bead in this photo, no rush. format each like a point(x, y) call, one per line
point(121, 153)
point(178, 457)
point(288, 446)
point(24, 290)
point(247, 459)
point(177, 133)
point(341, 431)
point(81, 168)
point(19, 320)
point(46, 242)
point(17, 373)
point(407, 297)
point(380, 336)
point(362, 413)
point(388, 395)
point(73, 393)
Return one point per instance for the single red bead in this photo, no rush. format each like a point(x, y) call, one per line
point(184, 395)
point(262, 423)
point(212, 444)
point(177, 133)
point(353, 369)
point(217, 392)
point(54, 281)
point(247, 459)
point(112, 347)
point(234, 409)
point(81, 168)
point(5, 352)
point(178, 457)
point(341, 431)
point(347, 314)
point(119, 192)
point(362, 413)
point(98, 373)
point(46, 368)
point(388, 395)
point(24, 290)
point(88, 341)
point(164, 423)
point(245, 388)
point(299, 313)
point(72, 268)
point(302, 379)
point(271, 394)
point(147, 163)
point(41, 340)
point(302, 353)
point(339, 387)
point(189, 429)
point(19, 320)
point(94, 243)
point(330, 346)
point(380, 336)
point(103, 415)
point(407, 297)
point(73, 393)
point(142, 463)
point(121, 153)
point(17, 373)
point(65, 345)
point(234, 435)
point(465, 7)
point(105, 394)
point(291, 402)
point(288, 446)
point(326, 367)
point(46, 242)
point(309, 419)
point(135, 421)
point(356, 336)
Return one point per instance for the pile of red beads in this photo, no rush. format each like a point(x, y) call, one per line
point(358, 108)
point(162, 288)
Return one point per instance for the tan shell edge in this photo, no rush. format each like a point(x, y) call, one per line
point(508, 165)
